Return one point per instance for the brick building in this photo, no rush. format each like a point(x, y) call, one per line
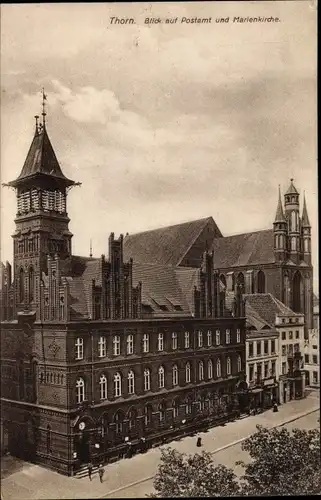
point(100, 352)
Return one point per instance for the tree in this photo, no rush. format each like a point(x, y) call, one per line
point(181, 475)
point(282, 463)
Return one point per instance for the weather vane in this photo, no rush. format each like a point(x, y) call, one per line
point(44, 98)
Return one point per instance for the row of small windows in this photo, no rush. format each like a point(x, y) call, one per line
point(102, 342)
point(80, 383)
point(46, 200)
point(51, 378)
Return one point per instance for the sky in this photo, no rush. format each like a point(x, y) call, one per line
point(163, 123)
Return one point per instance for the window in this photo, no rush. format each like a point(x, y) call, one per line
point(117, 385)
point(290, 335)
point(284, 350)
point(31, 284)
point(228, 366)
point(174, 340)
point(175, 408)
point(258, 348)
point(187, 372)
point(130, 344)
point(272, 346)
point(209, 370)
point(283, 368)
point(315, 359)
point(131, 382)
point(200, 338)
point(228, 336)
point(218, 337)
point(146, 379)
point(116, 345)
point(186, 340)
point(148, 414)
point(239, 364)
point(315, 377)
point(209, 338)
point(102, 347)
point(119, 422)
point(218, 368)
point(283, 335)
point(296, 347)
point(273, 372)
point(188, 406)
point(306, 358)
point(238, 335)
point(266, 370)
point(175, 375)
point(103, 387)
point(160, 341)
point(80, 390)
point(297, 334)
point(161, 377)
point(201, 370)
point(314, 346)
point(132, 419)
point(266, 347)
point(251, 352)
point(162, 412)
point(290, 348)
point(259, 372)
point(79, 348)
point(146, 342)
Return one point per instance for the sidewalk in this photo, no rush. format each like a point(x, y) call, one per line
point(33, 482)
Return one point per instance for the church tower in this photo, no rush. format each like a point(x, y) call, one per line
point(306, 234)
point(280, 229)
point(292, 208)
point(41, 219)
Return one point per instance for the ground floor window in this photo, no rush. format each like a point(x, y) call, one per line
point(315, 377)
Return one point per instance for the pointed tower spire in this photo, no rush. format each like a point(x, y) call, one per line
point(91, 249)
point(279, 216)
point(305, 217)
point(292, 189)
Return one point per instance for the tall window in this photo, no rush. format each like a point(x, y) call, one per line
point(200, 338)
point(218, 368)
point(160, 341)
point(119, 418)
point(209, 338)
point(210, 369)
point(130, 344)
point(201, 370)
point(258, 348)
point(132, 419)
point(102, 347)
point(251, 352)
point(146, 379)
point(116, 345)
point(175, 408)
point(80, 390)
point(272, 346)
point(228, 336)
point(228, 366)
point(188, 406)
point(218, 337)
point(186, 340)
point(146, 342)
point(187, 372)
point(238, 335)
point(273, 373)
point(266, 370)
point(131, 382)
point(31, 284)
point(174, 340)
point(175, 375)
point(162, 412)
point(251, 373)
point(117, 385)
point(79, 345)
point(103, 387)
point(21, 285)
point(239, 364)
point(161, 377)
point(148, 412)
point(266, 347)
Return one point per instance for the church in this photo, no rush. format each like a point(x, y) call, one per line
point(103, 357)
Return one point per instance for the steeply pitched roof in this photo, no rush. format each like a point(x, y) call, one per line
point(253, 319)
point(305, 217)
point(279, 216)
point(292, 189)
point(244, 249)
point(41, 159)
point(167, 245)
point(267, 307)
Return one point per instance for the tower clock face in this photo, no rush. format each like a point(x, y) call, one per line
point(82, 426)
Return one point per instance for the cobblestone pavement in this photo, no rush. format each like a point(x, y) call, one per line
point(131, 478)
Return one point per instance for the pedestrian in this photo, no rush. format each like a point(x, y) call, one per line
point(101, 471)
point(90, 470)
point(275, 408)
point(199, 442)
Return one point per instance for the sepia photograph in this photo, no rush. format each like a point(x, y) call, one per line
point(159, 293)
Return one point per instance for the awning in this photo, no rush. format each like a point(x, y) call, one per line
point(256, 391)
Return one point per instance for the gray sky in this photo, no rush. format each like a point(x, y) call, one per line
point(163, 123)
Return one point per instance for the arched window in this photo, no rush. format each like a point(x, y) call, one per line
point(160, 341)
point(260, 282)
point(103, 387)
point(175, 375)
point(162, 412)
point(210, 369)
point(200, 338)
point(218, 337)
point(174, 340)
point(31, 284)
point(130, 344)
point(293, 243)
point(117, 384)
point(161, 377)
point(240, 280)
point(209, 338)
point(239, 364)
point(146, 379)
point(186, 340)
point(228, 366)
point(132, 419)
point(116, 345)
point(21, 285)
point(148, 414)
point(187, 372)
point(293, 221)
point(201, 370)
point(188, 406)
point(131, 382)
point(80, 390)
point(119, 421)
point(102, 347)
point(175, 408)
point(218, 368)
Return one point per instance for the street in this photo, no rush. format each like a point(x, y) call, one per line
point(133, 478)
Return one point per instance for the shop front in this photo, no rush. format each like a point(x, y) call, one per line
point(270, 392)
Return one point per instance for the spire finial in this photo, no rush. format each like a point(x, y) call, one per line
point(44, 98)
point(292, 179)
point(91, 249)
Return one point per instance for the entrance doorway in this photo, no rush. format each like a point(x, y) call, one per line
point(83, 448)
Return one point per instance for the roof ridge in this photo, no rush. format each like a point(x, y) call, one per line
point(248, 232)
point(170, 226)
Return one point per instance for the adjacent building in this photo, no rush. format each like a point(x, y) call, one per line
point(312, 358)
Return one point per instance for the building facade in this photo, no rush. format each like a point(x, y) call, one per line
point(312, 358)
point(97, 353)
